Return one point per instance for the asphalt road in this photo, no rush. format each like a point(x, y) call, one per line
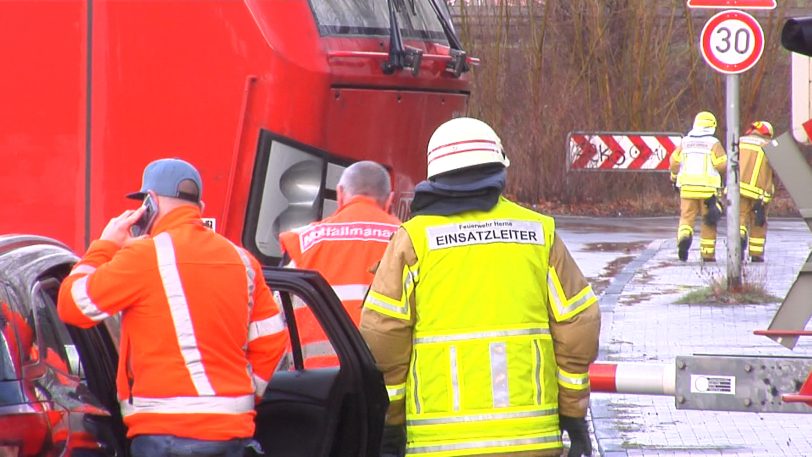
point(602, 246)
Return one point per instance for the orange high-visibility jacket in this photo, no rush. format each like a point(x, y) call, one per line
point(343, 248)
point(200, 332)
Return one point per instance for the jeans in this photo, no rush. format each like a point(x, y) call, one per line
point(173, 446)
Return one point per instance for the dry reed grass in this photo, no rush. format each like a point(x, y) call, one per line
point(555, 66)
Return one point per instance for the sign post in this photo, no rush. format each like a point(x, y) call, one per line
point(731, 43)
point(734, 248)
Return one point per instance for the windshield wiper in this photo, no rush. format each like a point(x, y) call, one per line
point(459, 58)
point(400, 56)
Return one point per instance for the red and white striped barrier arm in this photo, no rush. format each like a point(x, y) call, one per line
point(633, 378)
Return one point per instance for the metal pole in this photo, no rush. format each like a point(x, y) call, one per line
point(734, 257)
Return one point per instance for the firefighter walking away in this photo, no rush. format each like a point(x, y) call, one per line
point(696, 167)
point(479, 318)
point(756, 188)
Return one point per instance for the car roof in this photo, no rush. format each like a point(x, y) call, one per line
point(23, 258)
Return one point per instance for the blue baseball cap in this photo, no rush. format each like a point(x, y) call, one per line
point(171, 178)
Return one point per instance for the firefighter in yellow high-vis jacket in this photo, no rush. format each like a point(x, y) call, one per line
point(756, 188)
point(696, 167)
point(479, 318)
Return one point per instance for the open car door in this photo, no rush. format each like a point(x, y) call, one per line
point(321, 412)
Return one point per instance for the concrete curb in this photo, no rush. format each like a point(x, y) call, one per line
point(609, 442)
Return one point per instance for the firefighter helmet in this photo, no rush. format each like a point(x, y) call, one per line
point(705, 119)
point(461, 143)
point(762, 128)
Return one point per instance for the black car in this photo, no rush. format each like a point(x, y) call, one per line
point(57, 382)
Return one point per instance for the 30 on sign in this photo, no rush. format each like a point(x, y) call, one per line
point(732, 42)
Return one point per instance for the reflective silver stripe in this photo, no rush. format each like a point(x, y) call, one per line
point(387, 306)
point(396, 392)
point(581, 301)
point(86, 306)
point(409, 281)
point(455, 380)
point(298, 303)
point(483, 417)
point(483, 444)
point(559, 302)
point(83, 269)
point(570, 378)
point(249, 274)
point(179, 309)
point(265, 327)
point(415, 394)
point(188, 405)
point(553, 293)
point(537, 373)
point(486, 334)
point(499, 375)
point(351, 291)
point(260, 385)
point(317, 349)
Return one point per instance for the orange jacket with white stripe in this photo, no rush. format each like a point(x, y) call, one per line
point(344, 248)
point(200, 332)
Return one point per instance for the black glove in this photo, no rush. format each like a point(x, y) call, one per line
point(760, 213)
point(394, 441)
point(714, 211)
point(578, 431)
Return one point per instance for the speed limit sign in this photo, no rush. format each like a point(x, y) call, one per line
point(732, 42)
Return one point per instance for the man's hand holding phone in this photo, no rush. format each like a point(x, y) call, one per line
point(131, 225)
point(118, 229)
point(144, 223)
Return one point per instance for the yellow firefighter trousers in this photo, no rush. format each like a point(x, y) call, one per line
point(756, 236)
point(689, 209)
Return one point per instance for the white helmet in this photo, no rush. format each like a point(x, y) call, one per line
point(461, 143)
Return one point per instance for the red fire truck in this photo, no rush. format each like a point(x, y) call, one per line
point(270, 99)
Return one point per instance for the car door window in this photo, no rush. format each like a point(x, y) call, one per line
point(15, 335)
point(7, 363)
point(54, 345)
point(309, 347)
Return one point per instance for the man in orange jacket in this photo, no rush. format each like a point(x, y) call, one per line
point(200, 332)
point(344, 248)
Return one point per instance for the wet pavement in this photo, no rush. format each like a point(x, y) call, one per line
point(603, 246)
point(635, 268)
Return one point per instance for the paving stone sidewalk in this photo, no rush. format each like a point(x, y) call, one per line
point(642, 323)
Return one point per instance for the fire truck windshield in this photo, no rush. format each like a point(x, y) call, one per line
point(417, 19)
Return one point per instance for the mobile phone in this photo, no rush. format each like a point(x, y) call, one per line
point(144, 223)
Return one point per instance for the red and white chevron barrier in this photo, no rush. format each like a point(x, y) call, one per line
point(616, 151)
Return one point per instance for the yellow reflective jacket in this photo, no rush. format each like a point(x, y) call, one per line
point(756, 173)
point(696, 165)
point(464, 332)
